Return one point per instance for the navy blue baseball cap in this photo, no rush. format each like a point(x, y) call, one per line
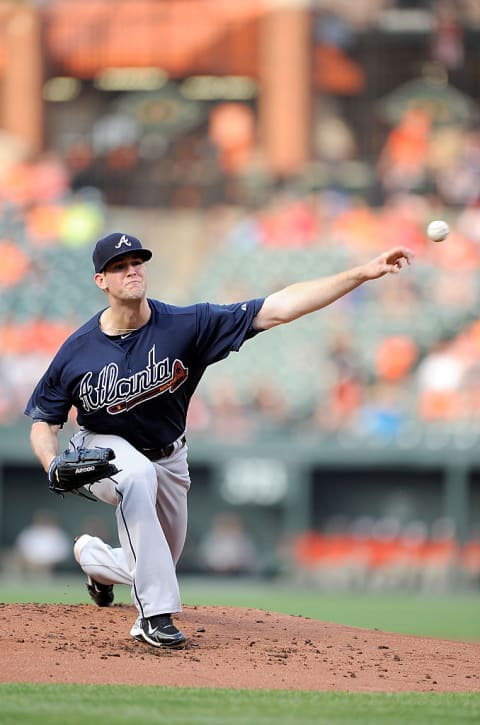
point(115, 245)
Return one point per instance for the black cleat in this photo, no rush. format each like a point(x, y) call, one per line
point(102, 594)
point(159, 631)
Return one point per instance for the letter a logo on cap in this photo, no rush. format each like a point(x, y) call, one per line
point(123, 240)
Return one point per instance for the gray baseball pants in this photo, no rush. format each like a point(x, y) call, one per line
point(151, 512)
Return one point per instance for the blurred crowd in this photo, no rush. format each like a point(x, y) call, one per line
point(393, 362)
point(361, 554)
point(46, 230)
point(400, 354)
point(370, 554)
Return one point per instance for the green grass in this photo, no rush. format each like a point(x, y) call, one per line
point(77, 705)
point(445, 616)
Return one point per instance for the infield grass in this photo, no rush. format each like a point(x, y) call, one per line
point(77, 705)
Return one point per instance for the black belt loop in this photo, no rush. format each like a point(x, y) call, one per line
point(155, 453)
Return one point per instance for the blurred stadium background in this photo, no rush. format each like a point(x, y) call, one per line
point(251, 144)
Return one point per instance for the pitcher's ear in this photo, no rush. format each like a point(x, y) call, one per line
point(99, 279)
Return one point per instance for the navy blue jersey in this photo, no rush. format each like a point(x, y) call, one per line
point(139, 387)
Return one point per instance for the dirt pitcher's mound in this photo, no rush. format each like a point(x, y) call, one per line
point(228, 647)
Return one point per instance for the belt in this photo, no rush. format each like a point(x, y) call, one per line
point(155, 453)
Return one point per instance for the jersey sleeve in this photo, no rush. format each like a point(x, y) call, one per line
point(222, 329)
point(49, 401)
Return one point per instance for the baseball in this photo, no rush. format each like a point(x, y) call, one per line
point(438, 230)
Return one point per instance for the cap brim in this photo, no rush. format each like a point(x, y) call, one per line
point(145, 254)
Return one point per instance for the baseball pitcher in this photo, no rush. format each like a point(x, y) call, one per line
point(130, 372)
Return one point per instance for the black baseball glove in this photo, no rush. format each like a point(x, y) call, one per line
point(78, 467)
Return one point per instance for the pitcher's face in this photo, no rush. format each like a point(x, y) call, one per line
point(124, 278)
